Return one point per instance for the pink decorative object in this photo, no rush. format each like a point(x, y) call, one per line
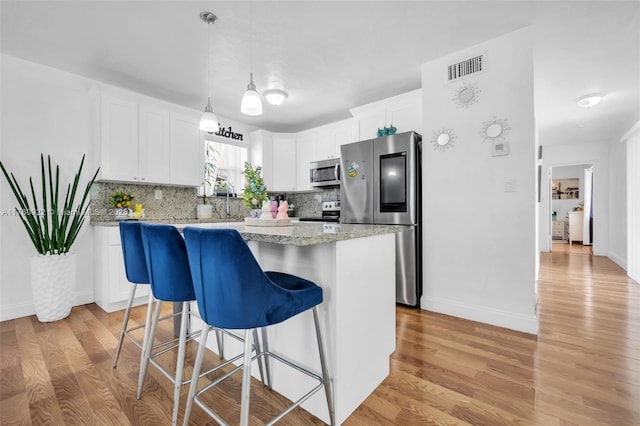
point(282, 210)
point(274, 209)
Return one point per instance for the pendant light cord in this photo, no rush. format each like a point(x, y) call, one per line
point(251, 36)
point(209, 59)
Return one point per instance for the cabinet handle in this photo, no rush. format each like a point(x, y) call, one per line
point(141, 178)
point(135, 178)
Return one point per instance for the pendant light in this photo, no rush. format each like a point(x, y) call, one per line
point(208, 121)
point(251, 102)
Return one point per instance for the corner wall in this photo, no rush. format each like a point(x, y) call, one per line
point(632, 140)
point(48, 111)
point(479, 210)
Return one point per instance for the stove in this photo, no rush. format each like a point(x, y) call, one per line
point(330, 213)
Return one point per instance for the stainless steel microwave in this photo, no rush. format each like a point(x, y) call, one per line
point(325, 172)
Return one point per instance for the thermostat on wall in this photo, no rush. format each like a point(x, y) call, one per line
point(499, 148)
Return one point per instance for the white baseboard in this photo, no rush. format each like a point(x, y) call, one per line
point(25, 309)
point(621, 262)
point(483, 314)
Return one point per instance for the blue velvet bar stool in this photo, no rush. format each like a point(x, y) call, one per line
point(233, 292)
point(168, 269)
point(135, 267)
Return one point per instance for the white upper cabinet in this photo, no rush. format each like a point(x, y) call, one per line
point(187, 150)
point(148, 141)
point(305, 153)
point(154, 144)
point(284, 162)
point(119, 139)
point(276, 153)
point(404, 112)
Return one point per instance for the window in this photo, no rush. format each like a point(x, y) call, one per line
point(223, 167)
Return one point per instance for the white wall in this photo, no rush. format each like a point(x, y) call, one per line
point(479, 239)
point(595, 153)
point(632, 140)
point(618, 203)
point(43, 111)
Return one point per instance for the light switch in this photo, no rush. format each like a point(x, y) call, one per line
point(158, 194)
point(510, 185)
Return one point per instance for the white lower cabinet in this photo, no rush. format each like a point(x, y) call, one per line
point(111, 286)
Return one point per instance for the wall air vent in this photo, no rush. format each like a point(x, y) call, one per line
point(467, 67)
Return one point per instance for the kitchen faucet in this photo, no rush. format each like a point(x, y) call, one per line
point(229, 187)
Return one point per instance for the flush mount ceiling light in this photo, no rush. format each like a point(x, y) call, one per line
point(251, 102)
point(208, 121)
point(275, 96)
point(587, 101)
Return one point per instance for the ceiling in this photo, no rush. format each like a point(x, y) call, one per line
point(331, 56)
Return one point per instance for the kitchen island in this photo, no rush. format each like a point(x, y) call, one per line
point(355, 266)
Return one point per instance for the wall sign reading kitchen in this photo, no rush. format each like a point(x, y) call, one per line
point(228, 133)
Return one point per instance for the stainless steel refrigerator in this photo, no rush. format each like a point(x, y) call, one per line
point(381, 185)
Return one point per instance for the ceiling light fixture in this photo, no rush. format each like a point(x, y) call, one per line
point(587, 101)
point(208, 121)
point(275, 96)
point(251, 102)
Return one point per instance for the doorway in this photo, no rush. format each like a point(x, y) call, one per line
point(571, 208)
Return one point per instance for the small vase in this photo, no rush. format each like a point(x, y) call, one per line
point(204, 211)
point(255, 213)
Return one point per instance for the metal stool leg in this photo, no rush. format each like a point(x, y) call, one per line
point(246, 379)
point(323, 363)
point(196, 372)
point(265, 345)
point(256, 343)
point(148, 346)
point(125, 323)
point(220, 340)
point(180, 362)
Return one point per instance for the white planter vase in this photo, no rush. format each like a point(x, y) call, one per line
point(53, 278)
point(204, 211)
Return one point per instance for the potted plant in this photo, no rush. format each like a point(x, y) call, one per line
point(122, 202)
point(254, 192)
point(52, 225)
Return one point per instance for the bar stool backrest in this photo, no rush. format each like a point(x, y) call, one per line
point(167, 263)
point(231, 288)
point(135, 264)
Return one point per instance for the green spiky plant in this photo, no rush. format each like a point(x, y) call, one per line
point(52, 226)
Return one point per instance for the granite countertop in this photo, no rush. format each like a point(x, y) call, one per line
point(298, 234)
point(166, 221)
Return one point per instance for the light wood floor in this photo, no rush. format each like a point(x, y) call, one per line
point(582, 369)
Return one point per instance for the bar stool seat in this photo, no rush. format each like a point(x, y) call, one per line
point(233, 292)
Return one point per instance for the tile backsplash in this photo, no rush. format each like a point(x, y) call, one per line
point(179, 203)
